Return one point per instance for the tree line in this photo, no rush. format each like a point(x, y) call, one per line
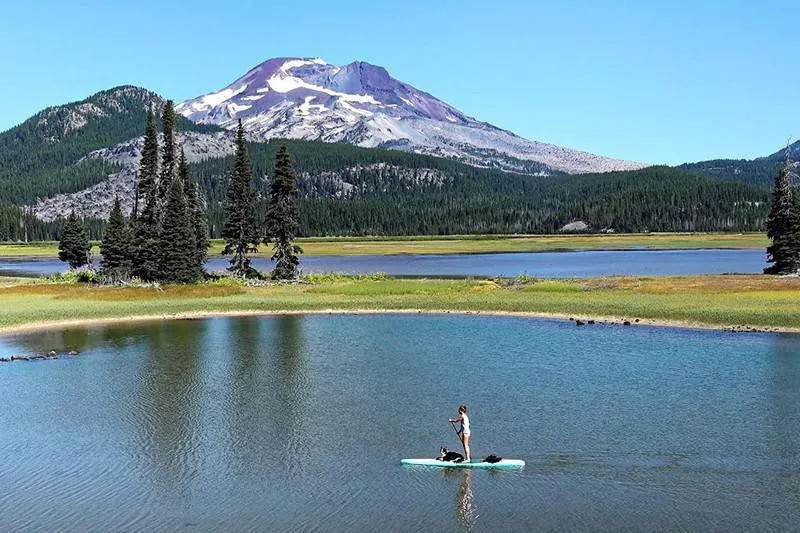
point(166, 238)
point(470, 201)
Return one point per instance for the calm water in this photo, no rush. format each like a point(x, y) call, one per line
point(298, 423)
point(545, 264)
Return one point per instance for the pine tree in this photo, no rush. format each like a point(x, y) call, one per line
point(145, 230)
point(197, 214)
point(283, 217)
point(239, 229)
point(148, 169)
point(74, 247)
point(783, 223)
point(168, 155)
point(177, 244)
point(117, 246)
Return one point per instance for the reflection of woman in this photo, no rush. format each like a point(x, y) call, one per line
point(465, 507)
point(465, 431)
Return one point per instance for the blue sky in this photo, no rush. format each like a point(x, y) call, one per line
point(651, 81)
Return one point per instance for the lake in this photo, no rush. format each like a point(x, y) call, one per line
point(540, 264)
point(298, 423)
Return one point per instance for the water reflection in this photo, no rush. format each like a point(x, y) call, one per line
point(464, 504)
point(168, 403)
point(249, 388)
point(785, 397)
point(79, 339)
point(267, 388)
point(292, 409)
point(60, 340)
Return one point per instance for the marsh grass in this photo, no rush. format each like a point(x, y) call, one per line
point(465, 244)
point(762, 301)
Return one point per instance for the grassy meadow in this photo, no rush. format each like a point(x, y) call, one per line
point(717, 301)
point(467, 244)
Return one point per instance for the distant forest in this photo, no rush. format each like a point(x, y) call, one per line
point(472, 201)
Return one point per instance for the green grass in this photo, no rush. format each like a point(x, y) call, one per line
point(465, 244)
point(707, 300)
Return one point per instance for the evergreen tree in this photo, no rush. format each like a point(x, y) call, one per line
point(177, 244)
point(117, 246)
point(168, 155)
point(145, 264)
point(148, 169)
point(283, 217)
point(197, 214)
point(783, 223)
point(239, 229)
point(74, 247)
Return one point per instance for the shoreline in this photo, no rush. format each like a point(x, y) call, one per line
point(43, 258)
point(586, 320)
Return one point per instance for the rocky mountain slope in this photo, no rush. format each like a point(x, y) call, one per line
point(362, 104)
point(97, 200)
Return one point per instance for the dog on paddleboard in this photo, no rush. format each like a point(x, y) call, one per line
point(451, 457)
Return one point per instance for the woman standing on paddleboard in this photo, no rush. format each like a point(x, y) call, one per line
point(465, 431)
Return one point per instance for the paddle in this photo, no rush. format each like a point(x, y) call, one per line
point(458, 434)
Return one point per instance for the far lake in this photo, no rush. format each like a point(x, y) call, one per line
point(298, 423)
point(542, 264)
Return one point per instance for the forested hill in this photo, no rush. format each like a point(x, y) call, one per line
point(40, 157)
point(358, 191)
point(760, 171)
point(347, 190)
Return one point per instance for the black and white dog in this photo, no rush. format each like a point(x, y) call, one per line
point(453, 457)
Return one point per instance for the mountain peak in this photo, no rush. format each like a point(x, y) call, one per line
point(361, 103)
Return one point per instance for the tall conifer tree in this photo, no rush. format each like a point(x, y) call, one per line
point(148, 169)
point(177, 244)
point(145, 263)
point(117, 245)
point(74, 246)
point(239, 230)
point(168, 154)
point(197, 215)
point(283, 217)
point(783, 223)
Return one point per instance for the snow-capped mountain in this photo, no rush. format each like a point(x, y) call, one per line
point(362, 104)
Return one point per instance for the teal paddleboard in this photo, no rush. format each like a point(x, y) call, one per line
point(475, 463)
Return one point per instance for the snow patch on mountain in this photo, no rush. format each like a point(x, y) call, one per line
point(362, 104)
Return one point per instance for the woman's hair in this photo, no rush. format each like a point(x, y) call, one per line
point(462, 408)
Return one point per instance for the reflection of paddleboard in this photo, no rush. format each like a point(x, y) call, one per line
point(475, 463)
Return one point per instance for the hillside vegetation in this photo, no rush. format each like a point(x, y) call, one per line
point(42, 156)
point(357, 191)
point(760, 171)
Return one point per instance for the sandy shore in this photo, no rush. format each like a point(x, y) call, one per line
point(585, 320)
